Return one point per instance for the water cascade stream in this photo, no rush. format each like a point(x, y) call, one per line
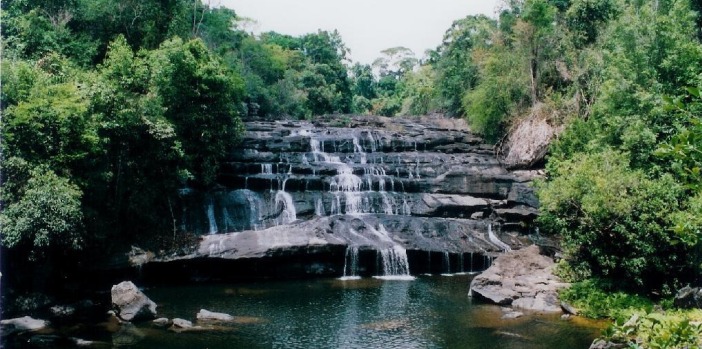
point(332, 194)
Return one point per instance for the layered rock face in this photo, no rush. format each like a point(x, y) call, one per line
point(367, 183)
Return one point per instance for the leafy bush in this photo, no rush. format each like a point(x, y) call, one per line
point(46, 219)
point(657, 330)
point(615, 221)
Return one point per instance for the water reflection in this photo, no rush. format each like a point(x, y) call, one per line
point(429, 312)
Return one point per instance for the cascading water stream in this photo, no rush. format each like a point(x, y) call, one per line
point(394, 263)
point(393, 260)
point(493, 238)
point(288, 213)
point(351, 264)
point(447, 264)
point(211, 217)
point(352, 194)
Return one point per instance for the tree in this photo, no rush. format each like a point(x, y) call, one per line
point(456, 72)
point(326, 52)
point(201, 98)
point(501, 92)
point(395, 62)
point(47, 218)
point(51, 124)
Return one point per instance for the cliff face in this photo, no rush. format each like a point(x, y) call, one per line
point(300, 188)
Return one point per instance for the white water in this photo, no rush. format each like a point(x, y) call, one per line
point(493, 238)
point(351, 264)
point(393, 259)
point(211, 216)
point(395, 264)
point(319, 207)
point(461, 268)
point(447, 264)
point(352, 193)
point(289, 214)
point(267, 169)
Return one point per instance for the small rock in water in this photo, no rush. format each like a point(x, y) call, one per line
point(511, 314)
point(603, 344)
point(182, 323)
point(569, 309)
point(161, 322)
point(81, 342)
point(213, 316)
point(25, 323)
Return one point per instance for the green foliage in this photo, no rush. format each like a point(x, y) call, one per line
point(201, 99)
point(47, 218)
point(597, 299)
point(50, 123)
point(584, 19)
point(419, 93)
point(657, 330)
point(455, 70)
point(615, 222)
point(502, 89)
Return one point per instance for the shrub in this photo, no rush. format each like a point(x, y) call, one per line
point(615, 222)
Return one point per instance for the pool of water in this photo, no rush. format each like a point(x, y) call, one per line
point(428, 312)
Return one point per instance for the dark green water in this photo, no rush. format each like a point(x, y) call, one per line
point(429, 312)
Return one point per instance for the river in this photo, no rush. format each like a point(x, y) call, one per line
point(428, 312)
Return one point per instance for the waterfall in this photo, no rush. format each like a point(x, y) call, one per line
point(319, 207)
point(387, 205)
point(354, 194)
point(267, 169)
point(428, 263)
point(461, 268)
point(395, 264)
point(393, 259)
point(493, 238)
point(288, 215)
point(406, 208)
point(351, 264)
point(211, 216)
point(471, 263)
point(447, 264)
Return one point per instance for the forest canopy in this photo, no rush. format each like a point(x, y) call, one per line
point(109, 107)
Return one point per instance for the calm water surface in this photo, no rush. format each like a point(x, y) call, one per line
point(429, 312)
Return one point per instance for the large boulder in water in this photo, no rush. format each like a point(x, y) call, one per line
point(132, 304)
point(521, 278)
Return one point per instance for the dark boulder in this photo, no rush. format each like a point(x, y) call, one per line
point(688, 298)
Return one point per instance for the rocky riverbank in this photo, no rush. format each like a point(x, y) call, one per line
point(523, 279)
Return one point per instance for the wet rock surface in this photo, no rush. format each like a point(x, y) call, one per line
point(372, 183)
point(131, 304)
point(523, 279)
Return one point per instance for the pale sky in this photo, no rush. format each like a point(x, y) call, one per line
point(366, 26)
